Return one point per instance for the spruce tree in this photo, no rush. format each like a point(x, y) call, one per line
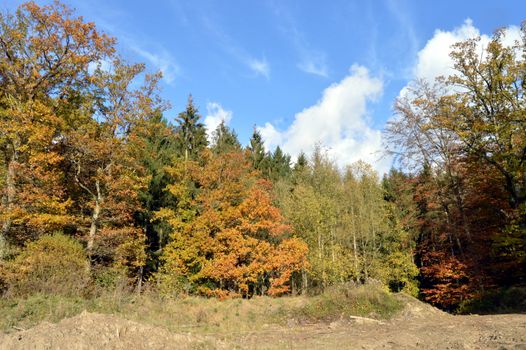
point(257, 150)
point(224, 139)
point(191, 132)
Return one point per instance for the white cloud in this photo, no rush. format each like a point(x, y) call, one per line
point(434, 60)
point(215, 115)
point(260, 67)
point(339, 121)
point(162, 61)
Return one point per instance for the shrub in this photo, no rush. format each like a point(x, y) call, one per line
point(53, 264)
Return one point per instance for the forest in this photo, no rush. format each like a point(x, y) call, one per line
point(100, 185)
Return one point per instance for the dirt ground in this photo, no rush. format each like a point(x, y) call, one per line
point(418, 326)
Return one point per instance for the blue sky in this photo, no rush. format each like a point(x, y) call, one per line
point(302, 71)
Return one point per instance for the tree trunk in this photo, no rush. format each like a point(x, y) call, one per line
point(8, 201)
point(354, 244)
point(94, 219)
point(305, 282)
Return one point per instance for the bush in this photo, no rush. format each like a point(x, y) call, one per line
point(53, 264)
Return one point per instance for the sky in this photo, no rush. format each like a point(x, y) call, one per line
point(302, 72)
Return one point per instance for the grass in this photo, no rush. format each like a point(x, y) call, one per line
point(200, 315)
point(343, 301)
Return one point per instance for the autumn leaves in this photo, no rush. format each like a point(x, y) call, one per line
point(228, 239)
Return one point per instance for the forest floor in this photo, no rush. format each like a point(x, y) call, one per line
point(416, 326)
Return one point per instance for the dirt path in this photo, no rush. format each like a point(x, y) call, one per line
point(454, 332)
point(419, 326)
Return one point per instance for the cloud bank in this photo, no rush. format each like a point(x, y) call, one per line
point(339, 121)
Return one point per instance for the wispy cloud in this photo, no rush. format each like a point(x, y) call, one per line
point(161, 60)
point(401, 14)
point(259, 66)
point(311, 60)
point(113, 20)
point(315, 67)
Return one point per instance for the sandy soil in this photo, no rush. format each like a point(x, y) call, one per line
point(419, 326)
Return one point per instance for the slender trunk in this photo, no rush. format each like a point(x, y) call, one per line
point(321, 255)
point(304, 283)
point(333, 240)
point(94, 219)
point(8, 201)
point(355, 246)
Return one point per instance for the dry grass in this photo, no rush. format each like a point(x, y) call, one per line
point(200, 315)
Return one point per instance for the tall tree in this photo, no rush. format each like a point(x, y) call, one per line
point(157, 148)
point(228, 239)
point(256, 150)
point(45, 55)
point(490, 109)
point(224, 139)
point(191, 132)
point(278, 164)
point(107, 174)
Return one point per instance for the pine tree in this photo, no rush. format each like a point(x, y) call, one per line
point(158, 148)
point(191, 132)
point(224, 140)
point(257, 150)
point(279, 165)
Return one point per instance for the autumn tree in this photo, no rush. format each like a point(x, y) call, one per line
point(45, 55)
point(464, 134)
point(344, 219)
point(228, 238)
point(102, 156)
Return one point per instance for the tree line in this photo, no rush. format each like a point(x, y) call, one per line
point(93, 174)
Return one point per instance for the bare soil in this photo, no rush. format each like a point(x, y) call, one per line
point(418, 326)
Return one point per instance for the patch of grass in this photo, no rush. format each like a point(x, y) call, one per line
point(348, 300)
point(200, 315)
point(27, 312)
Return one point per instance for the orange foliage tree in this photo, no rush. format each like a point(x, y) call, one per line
point(44, 58)
point(228, 238)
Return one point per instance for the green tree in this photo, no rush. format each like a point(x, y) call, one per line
point(224, 139)
point(256, 150)
point(190, 131)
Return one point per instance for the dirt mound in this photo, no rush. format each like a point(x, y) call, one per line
point(96, 331)
point(416, 309)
